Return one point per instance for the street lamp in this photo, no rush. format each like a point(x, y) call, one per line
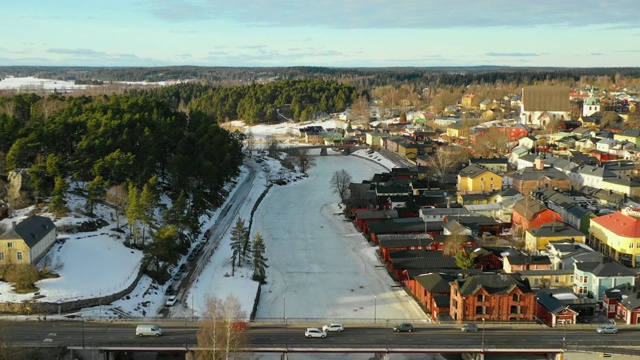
point(375, 308)
point(483, 326)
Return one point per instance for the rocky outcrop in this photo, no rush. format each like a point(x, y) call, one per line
point(18, 196)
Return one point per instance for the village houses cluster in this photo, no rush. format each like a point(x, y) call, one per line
point(550, 220)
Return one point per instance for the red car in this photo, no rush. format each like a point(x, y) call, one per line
point(240, 325)
point(207, 233)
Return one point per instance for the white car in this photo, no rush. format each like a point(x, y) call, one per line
point(315, 333)
point(172, 300)
point(333, 327)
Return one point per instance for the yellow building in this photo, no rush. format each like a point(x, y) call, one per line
point(537, 239)
point(543, 279)
point(625, 186)
point(469, 100)
point(28, 241)
point(458, 130)
point(617, 235)
point(478, 179)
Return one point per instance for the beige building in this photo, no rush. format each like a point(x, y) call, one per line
point(27, 241)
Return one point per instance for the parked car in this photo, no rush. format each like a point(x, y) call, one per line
point(333, 327)
point(469, 328)
point(172, 300)
point(207, 233)
point(169, 290)
point(315, 333)
point(403, 327)
point(183, 267)
point(177, 276)
point(607, 329)
point(192, 255)
point(198, 247)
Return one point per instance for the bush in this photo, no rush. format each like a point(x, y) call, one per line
point(23, 277)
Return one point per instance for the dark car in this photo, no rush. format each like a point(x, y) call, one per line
point(183, 267)
point(207, 233)
point(403, 327)
point(169, 290)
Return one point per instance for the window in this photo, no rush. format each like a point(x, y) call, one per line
point(9, 244)
point(556, 279)
point(480, 310)
point(582, 290)
point(536, 281)
point(480, 298)
point(19, 255)
point(514, 309)
point(516, 297)
point(1, 256)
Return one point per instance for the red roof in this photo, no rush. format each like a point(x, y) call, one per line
point(620, 224)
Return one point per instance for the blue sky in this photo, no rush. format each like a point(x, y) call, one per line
point(336, 33)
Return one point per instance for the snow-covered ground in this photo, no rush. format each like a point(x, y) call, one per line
point(36, 84)
point(320, 267)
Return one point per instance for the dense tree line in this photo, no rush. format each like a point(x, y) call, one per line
point(261, 102)
point(125, 150)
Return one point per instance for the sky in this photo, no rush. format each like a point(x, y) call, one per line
point(332, 33)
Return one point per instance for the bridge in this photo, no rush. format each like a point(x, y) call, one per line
point(107, 338)
point(346, 149)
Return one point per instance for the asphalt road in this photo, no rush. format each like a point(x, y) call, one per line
point(436, 337)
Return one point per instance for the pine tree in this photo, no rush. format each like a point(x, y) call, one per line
point(133, 211)
point(259, 261)
point(95, 192)
point(148, 203)
point(238, 235)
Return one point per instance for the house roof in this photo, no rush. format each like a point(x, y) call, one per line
point(522, 259)
point(434, 261)
point(528, 207)
point(550, 303)
point(377, 214)
point(606, 268)
point(556, 229)
point(404, 240)
point(492, 283)
point(31, 230)
point(620, 224)
point(546, 98)
point(435, 282)
point(473, 171)
point(632, 301)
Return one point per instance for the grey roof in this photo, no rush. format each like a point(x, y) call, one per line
point(597, 171)
point(404, 240)
point(31, 230)
point(473, 171)
point(377, 214)
point(530, 173)
point(556, 228)
point(606, 268)
point(632, 301)
point(435, 282)
point(528, 207)
point(492, 283)
point(550, 303)
point(522, 259)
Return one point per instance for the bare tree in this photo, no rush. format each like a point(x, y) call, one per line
point(446, 160)
point(250, 141)
point(219, 335)
point(117, 196)
point(272, 146)
point(340, 182)
point(305, 161)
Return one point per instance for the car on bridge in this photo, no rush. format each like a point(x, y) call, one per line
point(315, 333)
point(469, 328)
point(403, 327)
point(333, 328)
point(607, 329)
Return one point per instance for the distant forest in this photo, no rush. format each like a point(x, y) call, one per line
point(362, 78)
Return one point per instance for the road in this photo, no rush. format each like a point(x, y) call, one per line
point(277, 336)
point(220, 228)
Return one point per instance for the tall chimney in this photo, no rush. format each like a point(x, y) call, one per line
point(538, 163)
